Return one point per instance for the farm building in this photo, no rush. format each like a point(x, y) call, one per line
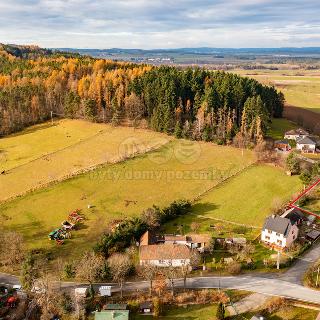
point(296, 134)
point(164, 255)
point(279, 232)
point(307, 144)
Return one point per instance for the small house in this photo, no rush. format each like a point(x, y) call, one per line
point(279, 232)
point(282, 145)
point(165, 255)
point(306, 145)
point(296, 134)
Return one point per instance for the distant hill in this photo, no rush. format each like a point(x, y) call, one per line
point(291, 51)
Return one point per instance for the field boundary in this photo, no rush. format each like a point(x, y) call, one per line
point(219, 183)
point(81, 171)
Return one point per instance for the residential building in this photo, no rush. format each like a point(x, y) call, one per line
point(193, 241)
point(296, 134)
point(282, 145)
point(279, 232)
point(307, 145)
point(165, 255)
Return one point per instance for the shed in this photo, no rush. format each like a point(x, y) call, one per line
point(313, 235)
point(81, 292)
point(105, 291)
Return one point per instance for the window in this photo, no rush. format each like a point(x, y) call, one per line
point(267, 237)
point(182, 261)
point(278, 234)
point(294, 237)
point(161, 261)
point(269, 231)
point(279, 242)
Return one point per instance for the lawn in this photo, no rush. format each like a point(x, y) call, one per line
point(278, 127)
point(47, 153)
point(180, 169)
point(191, 312)
point(246, 198)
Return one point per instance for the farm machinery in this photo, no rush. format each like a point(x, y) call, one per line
point(60, 234)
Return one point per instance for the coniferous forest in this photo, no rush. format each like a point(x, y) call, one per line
point(190, 103)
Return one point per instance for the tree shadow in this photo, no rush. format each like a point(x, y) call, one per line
point(204, 208)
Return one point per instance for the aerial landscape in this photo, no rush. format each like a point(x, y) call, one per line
point(159, 160)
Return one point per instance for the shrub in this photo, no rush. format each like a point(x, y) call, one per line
point(275, 304)
point(234, 268)
point(68, 271)
point(220, 311)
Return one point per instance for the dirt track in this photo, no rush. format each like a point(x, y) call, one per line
point(306, 118)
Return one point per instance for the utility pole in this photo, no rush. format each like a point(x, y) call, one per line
point(51, 112)
point(278, 260)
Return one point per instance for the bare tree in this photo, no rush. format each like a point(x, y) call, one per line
point(120, 266)
point(160, 284)
point(151, 218)
point(149, 273)
point(185, 269)
point(89, 266)
point(46, 296)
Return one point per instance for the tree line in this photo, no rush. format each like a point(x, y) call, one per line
point(191, 103)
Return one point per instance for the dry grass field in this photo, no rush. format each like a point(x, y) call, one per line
point(45, 153)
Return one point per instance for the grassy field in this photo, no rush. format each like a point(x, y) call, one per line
point(174, 171)
point(278, 127)
point(244, 199)
point(47, 153)
point(301, 88)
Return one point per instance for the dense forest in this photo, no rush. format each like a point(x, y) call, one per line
point(191, 103)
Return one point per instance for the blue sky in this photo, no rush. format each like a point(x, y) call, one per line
point(160, 23)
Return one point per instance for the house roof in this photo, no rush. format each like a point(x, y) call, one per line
point(278, 224)
point(299, 131)
point(170, 237)
point(112, 315)
point(284, 141)
point(198, 238)
point(294, 215)
point(306, 140)
point(164, 252)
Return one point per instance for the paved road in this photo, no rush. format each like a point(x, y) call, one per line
point(296, 272)
point(287, 285)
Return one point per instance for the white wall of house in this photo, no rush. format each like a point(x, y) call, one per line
point(166, 263)
point(309, 147)
point(278, 239)
point(181, 242)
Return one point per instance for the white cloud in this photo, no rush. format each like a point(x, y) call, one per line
point(160, 23)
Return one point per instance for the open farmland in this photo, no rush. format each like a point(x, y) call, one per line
point(180, 169)
point(244, 199)
point(46, 153)
point(301, 88)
